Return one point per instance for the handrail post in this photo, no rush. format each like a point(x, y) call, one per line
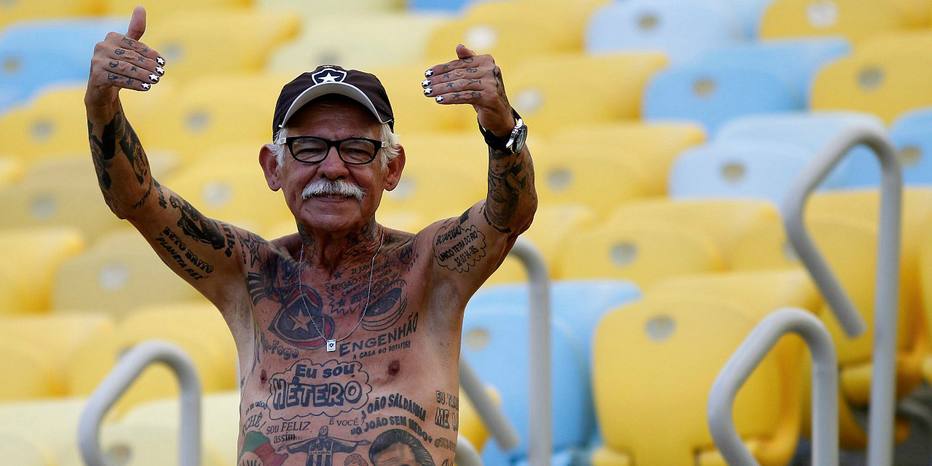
point(824, 388)
point(466, 454)
point(492, 416)
point(129, 367)
point(886, 299)
point(539, 414)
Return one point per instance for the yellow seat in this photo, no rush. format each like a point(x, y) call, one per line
point(143, 445)
point(80, 170)
point(675, 351)
point(650, 148)
point(849, 246)
point(639, 251)
point(552, 226)
point(11, 170)
point(197, 336)
point(40, 346)
point(18, 450)
point(853, 19)
point(914, 43)
point(235, 193)
point(915, 13)
point(540, 89)
point(512, 32)
point(202, 117)
point(597, 179)
point(157, 12)
point(54, 124)
point(722, 221)
point(31, 259)
point(11, 12)
point(57, 417)
point(192, 50)
point(402, 38)
point(885, 85)
point(57, 202)
point(118, 274)
point(313, 9)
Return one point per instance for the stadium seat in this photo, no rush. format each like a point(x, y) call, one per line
point(720, 221)
point(810, 130)
point(793, 60)
point(887, 85)
point(80, 170)
point(852, 19)
point(539, 90)
point(712, 94)
point(19, 450)
point(750, 13)
point(415, 113)
point(402, 39)
point(11, 170)
point(910, 42)
point(910, 135)
point(119, 274)
point(849, 246)
point(513, 32)
point(157, 12)
point(640, 251)
point(448, 6)
point(495, 344)
point(313, 9)
point(143, 445)
point(214, 358)
point(56, 202)
point(649, 147)
point(668, 347)
point(596, 179)
point(666, 26)
point(35, 54)
point(13, 12)
point(187, 44)
point(54, 125)
point(31, 258)
point(743, 169)
point(37, 350)
point(202, 117)
point(57, 417)
point(553, 225)
point(233, 193)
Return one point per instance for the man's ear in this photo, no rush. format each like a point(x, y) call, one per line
point(395, 167)
point(270, 167)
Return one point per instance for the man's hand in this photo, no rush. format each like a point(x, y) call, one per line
point(122, 62)
point(476, 80)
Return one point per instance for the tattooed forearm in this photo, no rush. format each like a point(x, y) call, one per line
point(103, 149)
point(510, 183)
point(181, 255)
point(118, 136)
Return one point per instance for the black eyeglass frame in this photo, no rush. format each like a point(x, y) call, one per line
point(379, 145)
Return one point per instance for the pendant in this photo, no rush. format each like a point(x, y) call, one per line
point(331, 345)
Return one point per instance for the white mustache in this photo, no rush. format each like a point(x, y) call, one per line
point(325, 187)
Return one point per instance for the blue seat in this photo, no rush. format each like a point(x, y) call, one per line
point(452, 6)
point(796, 61)
point(712, 94)
point(669, 26)
point(911, 134)
point(495, 344)
point(761, 170)
point(810, 130)
point(35, 54)
point(750, 13)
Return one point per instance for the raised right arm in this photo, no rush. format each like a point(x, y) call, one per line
point(207, 253)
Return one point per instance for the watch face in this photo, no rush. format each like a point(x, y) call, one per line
point(520, 137)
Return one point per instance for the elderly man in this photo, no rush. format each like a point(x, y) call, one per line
point(347, 332)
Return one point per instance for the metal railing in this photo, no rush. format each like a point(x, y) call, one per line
point(824, 388)
point(129, 367)
point(883, 378)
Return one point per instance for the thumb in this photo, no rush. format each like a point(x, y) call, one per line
point(137, 25)
point(463, 52)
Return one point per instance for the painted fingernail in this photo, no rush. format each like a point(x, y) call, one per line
point(160, 61)
point(154, 78)
point(146, 86)
point(439, 99)
point(160, 70)
point(427, 91)
point(429, 73)
point(425, 83)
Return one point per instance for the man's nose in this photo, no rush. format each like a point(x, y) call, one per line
point(332, 166)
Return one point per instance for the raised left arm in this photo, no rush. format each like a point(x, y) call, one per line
point(469, 248)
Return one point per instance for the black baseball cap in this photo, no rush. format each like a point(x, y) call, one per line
point(360, 86)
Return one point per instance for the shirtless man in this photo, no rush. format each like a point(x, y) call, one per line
point(348, 333)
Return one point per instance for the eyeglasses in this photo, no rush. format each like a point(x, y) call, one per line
point(353, 151)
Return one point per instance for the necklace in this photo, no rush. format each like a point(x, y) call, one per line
point(332, 342)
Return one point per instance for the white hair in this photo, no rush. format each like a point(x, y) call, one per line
point(390, 145)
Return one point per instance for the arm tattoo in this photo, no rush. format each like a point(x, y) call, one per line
point(459, 245)
point(508, 179)
point(118, 134)
point(103, 149)
point(204, 230)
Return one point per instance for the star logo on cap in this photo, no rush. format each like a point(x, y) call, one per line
point(329, 75)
